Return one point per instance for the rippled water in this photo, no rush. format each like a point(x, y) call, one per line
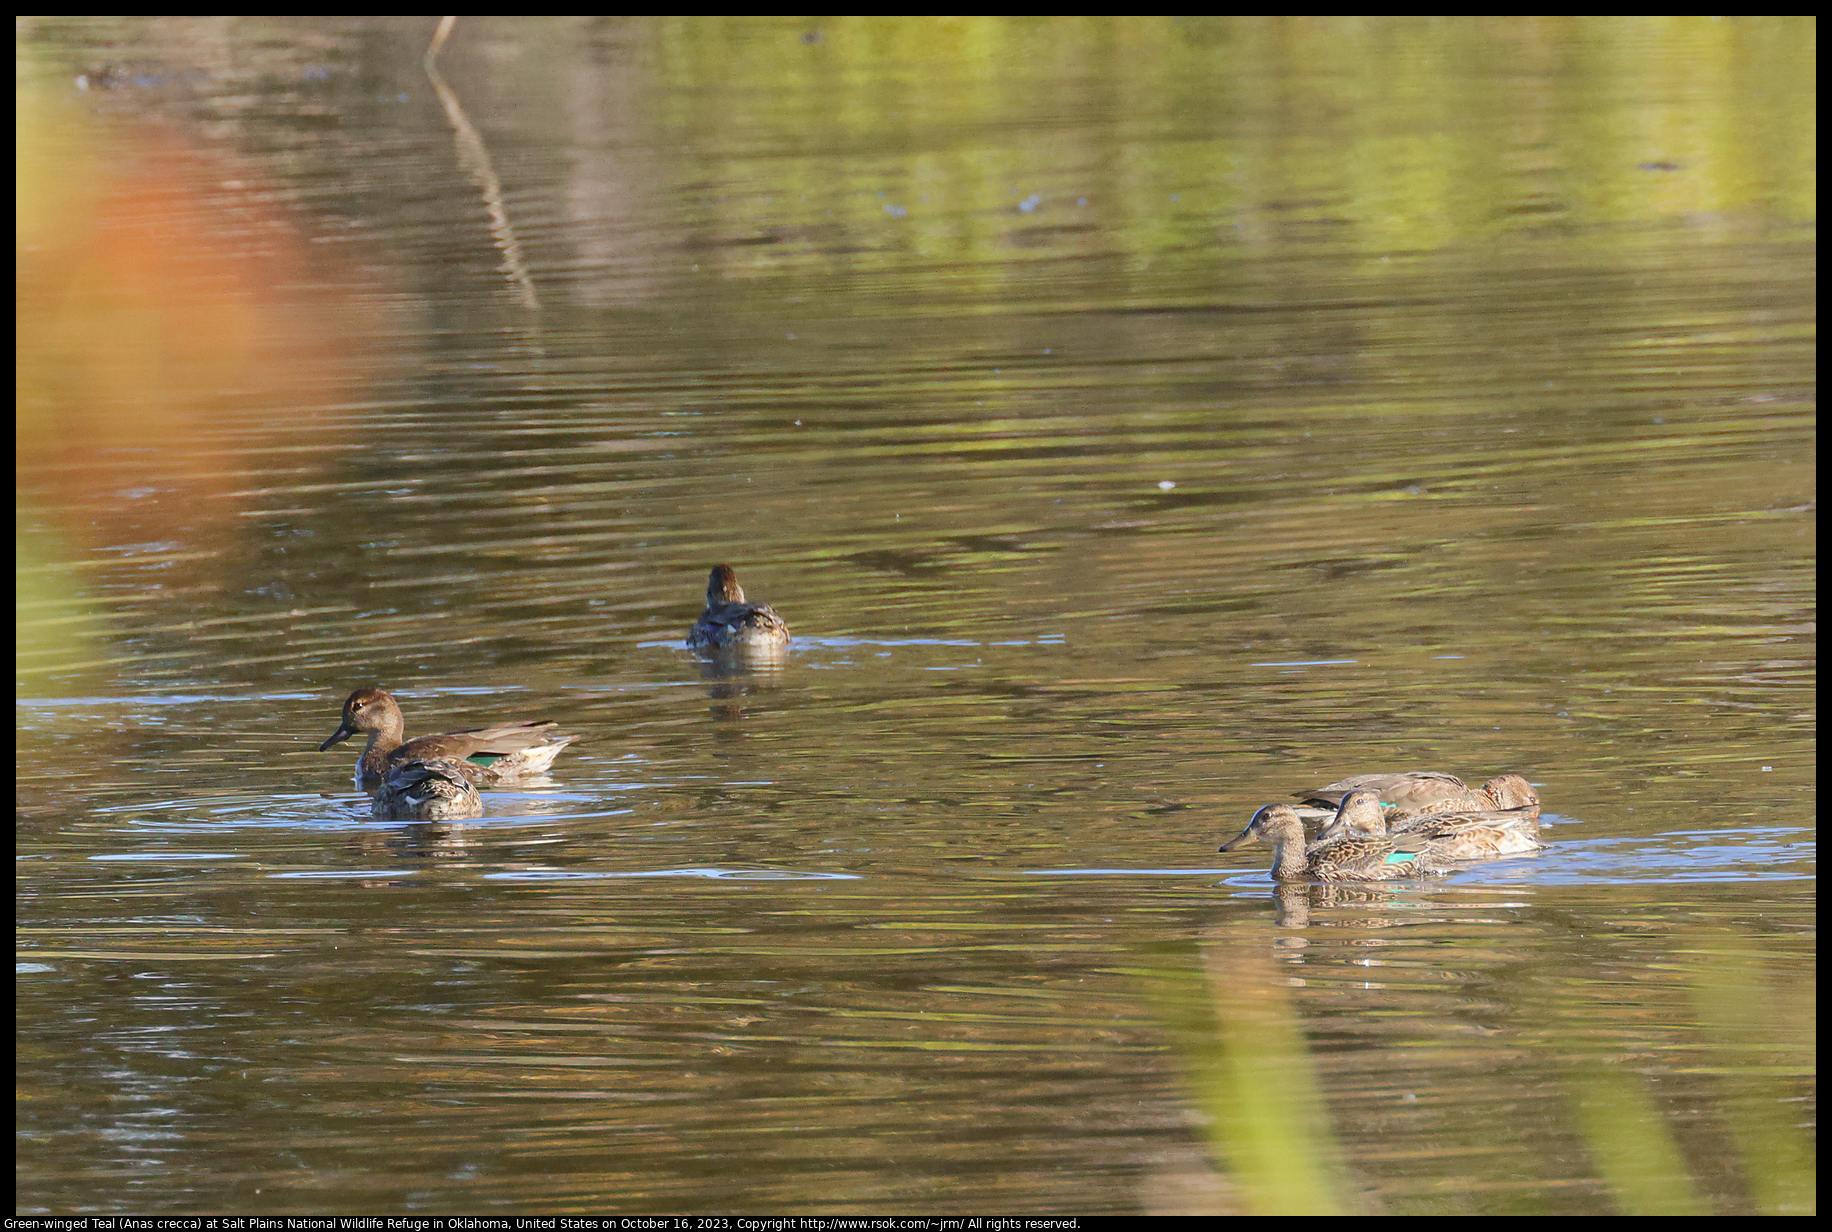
point(1135, 422)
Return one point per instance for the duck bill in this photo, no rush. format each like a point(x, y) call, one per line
point(337, 737)
point(1240, 840)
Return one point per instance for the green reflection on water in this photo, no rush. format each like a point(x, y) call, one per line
point(1263, 1093)
point(993, 143)
point(1252, 1077)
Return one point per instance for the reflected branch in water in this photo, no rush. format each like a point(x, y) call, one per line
point(474, 158)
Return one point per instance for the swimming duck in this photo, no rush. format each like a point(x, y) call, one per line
point(427, 789)
point(1421, 791)
point(1448, 835)
point(730, 623)
point(487, 755)
point(1503, 793)
point(1344, 857)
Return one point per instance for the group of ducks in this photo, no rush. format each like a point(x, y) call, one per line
point(435, 778)
point(1383, 827)
point(1379, 827)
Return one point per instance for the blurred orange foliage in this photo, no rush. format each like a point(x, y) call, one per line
point(173, 321)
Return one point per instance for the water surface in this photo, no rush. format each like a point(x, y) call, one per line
point(1136, 421)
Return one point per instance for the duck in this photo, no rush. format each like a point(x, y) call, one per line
point(1414, 792)
point(487, 756)
point(1448, 835)
point(427, 789)
point(1347, 856)
point(1504, 793)
point(729, 623)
